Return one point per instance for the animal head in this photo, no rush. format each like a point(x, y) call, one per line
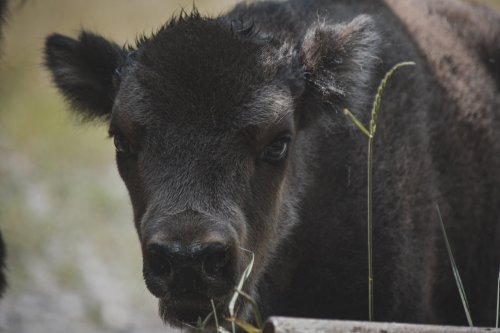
point(206, 117)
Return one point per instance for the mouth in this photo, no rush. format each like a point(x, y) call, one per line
point(188, 309)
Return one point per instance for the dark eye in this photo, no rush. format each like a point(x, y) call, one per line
point(277, 150)
point(122, 145)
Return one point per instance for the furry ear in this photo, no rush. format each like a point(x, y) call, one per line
point(83, 70)
point(338, 58)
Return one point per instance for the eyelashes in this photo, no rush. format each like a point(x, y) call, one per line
point(122, 145)
point(276, 151)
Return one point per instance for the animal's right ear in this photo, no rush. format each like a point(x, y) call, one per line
point(83, 70)
point(338, 59)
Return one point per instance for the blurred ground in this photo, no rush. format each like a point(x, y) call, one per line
point(74, 260)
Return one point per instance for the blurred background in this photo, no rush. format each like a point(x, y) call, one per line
point(74, 262)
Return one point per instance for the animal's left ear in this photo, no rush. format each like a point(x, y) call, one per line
point(338, 59)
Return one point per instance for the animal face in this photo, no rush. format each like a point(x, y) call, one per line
point(204, 160)
point(205, 116)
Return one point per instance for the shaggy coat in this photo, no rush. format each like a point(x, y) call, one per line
point(230, 137)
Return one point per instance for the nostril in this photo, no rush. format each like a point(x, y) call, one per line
point(168, 261)
point(214, 264)
point(159, 263)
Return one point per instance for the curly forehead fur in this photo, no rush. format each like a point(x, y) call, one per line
point(225, 55)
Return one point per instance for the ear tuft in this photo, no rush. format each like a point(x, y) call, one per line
point(338, 58)
point(83, 71)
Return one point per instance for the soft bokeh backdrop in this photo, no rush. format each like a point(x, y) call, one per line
point(74, 258)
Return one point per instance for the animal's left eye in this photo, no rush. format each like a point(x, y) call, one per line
point(277, 150)
point(122, 145)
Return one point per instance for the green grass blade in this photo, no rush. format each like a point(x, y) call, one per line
point(357, 123)
point(370, 133)
point(498, 300)
point(370, 227)
point(380, 90)
point(460, 286)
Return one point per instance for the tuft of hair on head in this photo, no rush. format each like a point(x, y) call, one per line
point(183, 17)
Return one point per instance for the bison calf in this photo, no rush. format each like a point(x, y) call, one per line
point(230, 138)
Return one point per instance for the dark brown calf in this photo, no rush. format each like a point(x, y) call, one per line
point(230, 138)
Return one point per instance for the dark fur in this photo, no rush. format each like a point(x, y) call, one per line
point(200, 100)
point(3, 281)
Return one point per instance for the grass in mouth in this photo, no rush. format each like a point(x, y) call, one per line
point(233, 319)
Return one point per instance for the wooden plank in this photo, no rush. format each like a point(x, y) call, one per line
point(300, 325)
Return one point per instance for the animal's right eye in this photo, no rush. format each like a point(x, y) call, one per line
point(277, 150)
point(122, 145)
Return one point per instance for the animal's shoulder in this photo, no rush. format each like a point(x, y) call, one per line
point(460, 43)
point(477, 27)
